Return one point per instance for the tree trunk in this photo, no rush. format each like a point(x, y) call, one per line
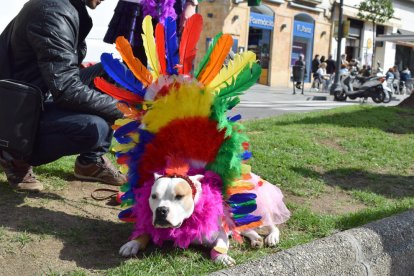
point(408, 102)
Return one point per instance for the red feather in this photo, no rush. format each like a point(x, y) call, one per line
point(188, 44)
point(117, 92)
point(160, 44)
point(194, 138)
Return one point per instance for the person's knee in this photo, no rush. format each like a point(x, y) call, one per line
point(96, 130)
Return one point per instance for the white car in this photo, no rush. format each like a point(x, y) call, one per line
point(100, 16)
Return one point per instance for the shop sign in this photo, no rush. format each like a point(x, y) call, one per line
point(303, 29)
point(261, 21)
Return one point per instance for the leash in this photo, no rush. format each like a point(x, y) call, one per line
point(113, 194)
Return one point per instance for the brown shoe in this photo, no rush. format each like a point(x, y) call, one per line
point(19, 174)
point(102, 171)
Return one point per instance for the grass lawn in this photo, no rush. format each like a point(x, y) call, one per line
point(338, 169)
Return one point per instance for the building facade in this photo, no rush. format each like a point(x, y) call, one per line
point(277, 31)
point(390, 50)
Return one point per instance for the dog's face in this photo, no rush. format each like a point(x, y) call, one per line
point(172, 201)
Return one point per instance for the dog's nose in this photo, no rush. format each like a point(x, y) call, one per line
point(162, 212)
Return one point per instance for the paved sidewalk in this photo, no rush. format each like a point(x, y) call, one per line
point(263, 101)
point(384, 247)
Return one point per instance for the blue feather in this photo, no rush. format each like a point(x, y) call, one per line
point(125, 214)
point(239, 210)
point(171, 45)
point(120, 73)
point(246, 155)
point(127, 128)
point(241, 197)
point(235, 118)
point(247, 219)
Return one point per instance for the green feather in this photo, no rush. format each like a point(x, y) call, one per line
point(206, 57)
point(247, 77)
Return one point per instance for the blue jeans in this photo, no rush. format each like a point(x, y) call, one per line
point(62, 132)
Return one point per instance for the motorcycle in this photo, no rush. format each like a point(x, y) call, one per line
point(354, 86)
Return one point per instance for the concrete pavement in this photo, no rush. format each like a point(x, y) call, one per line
point(384, 247)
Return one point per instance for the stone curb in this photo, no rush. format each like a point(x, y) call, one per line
point(383, 247)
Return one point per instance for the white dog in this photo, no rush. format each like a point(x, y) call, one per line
point(172, 201)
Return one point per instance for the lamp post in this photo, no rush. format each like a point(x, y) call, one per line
point(336, 85)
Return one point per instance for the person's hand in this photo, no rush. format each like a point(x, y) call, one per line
point(188, 10)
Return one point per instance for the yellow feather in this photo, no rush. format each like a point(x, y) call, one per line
point(121, 122)
point(134, 64)
point(149, 45)
point(123, 147)
point(230, 72)
point(187, 101)
point(124, 169)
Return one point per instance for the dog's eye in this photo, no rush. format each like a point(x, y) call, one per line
point(154, 196)
point(178, 197)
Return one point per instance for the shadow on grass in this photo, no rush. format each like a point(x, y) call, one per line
point(51, 171)
point(91, 243)
point(389, 119)
point(388, 185)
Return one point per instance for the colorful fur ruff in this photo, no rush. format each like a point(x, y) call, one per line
point(203, 223)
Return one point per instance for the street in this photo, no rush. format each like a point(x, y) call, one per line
point(262, 101)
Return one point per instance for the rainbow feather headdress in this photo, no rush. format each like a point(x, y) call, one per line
point(173, 110)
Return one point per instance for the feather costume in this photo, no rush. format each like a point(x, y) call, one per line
point(178, 112)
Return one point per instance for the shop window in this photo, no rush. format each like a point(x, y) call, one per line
point(261, 26)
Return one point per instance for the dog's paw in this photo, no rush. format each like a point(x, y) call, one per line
point(257, 242)
point(272, 239)
point(131, 248)
point(225, 260)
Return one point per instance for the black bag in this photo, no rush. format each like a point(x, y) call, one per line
point(20, 108)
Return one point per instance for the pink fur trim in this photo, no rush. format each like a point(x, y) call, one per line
point(203, 223)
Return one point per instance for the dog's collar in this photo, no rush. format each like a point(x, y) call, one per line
point(185, 177)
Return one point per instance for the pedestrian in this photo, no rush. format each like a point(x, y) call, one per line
point(46, 46)
point(406, 74)
point(129, 14)
point(315, 64)
point(300, 62)
point(330, 65)
point(390, 74)
point(344, 60)
point(321, 76)
point(323, 59)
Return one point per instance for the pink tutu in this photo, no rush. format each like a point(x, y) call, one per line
point(269, 201)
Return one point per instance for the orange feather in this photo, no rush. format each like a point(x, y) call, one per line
point(135, 65)
point(160, 44)
point(117, 92)
point(217, 57)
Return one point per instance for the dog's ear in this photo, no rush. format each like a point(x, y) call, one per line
point(156, 176)
point(196, 180)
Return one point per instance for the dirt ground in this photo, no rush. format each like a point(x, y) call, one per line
point(58, 231)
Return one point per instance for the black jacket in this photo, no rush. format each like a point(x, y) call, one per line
point(47, 44)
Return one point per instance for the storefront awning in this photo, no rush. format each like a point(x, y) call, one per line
point(400, 39)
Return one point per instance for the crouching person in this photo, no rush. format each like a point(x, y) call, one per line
point(45, 46)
